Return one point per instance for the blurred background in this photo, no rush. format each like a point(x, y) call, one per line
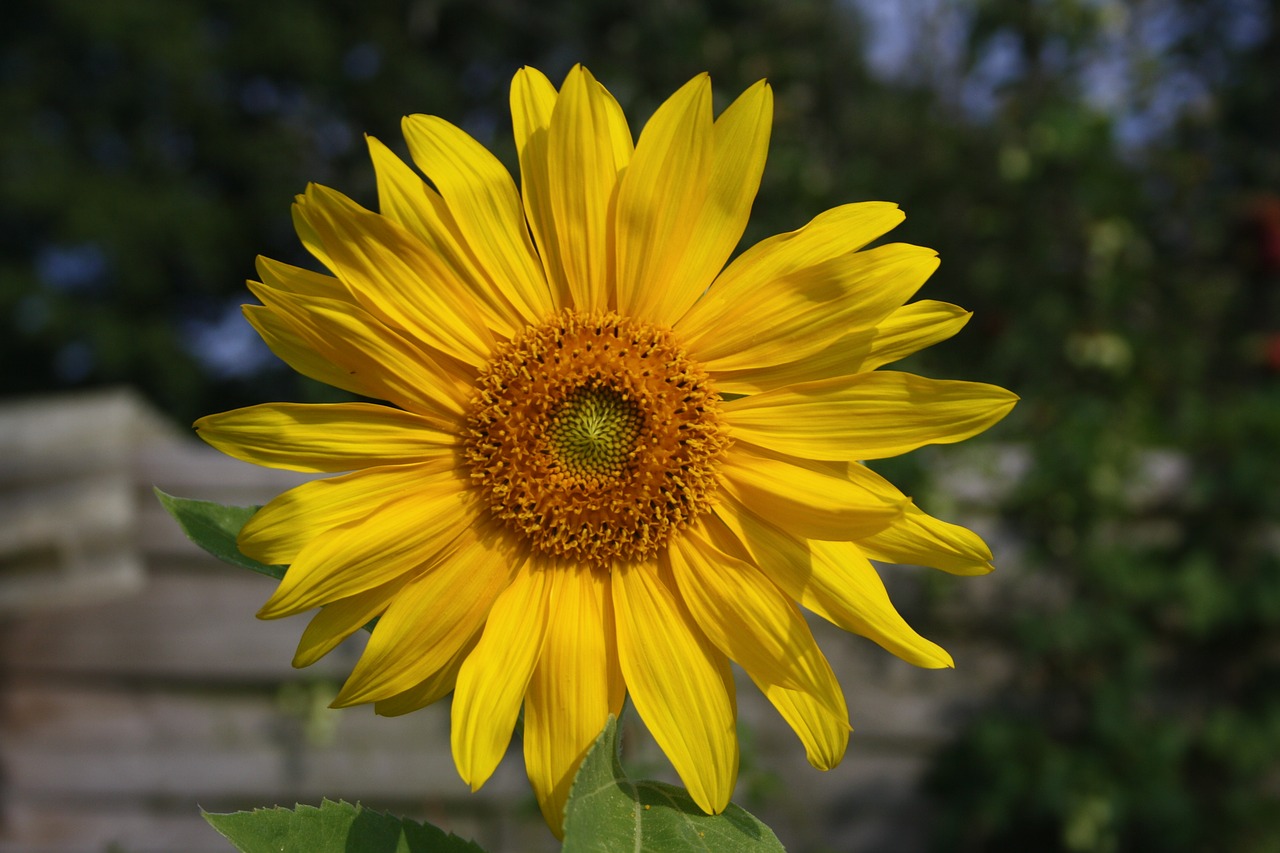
point(1102, 180)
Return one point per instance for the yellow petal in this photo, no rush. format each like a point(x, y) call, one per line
point(323, 436)
point(911, 328)
point(825, 735)
point(584, 164)
point(279, 531)
point(402, 534)
point(492, 681)
point(533, 98)
point(813, 500)
point(396, 277)
point(680, 683)
point(660, 205)
point(358, 352)
point(431, 689)
point(748, 618)
point(835, 581)
point(867, 416)
point(575, 687)
point(919, 539)
point(811, 308)
point(304, 282)
point(907, 330)
point(406, 199)
point(432, 618)
point(486, 207)
point(740, 144)
point(339, 620)
point(829, 235)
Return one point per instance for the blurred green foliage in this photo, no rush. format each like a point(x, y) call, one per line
point(1122, 257)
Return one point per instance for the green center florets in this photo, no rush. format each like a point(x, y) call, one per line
point(595, 432)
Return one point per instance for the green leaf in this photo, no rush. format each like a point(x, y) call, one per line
point(333, 828)
point(213, 527)
point(608, 812)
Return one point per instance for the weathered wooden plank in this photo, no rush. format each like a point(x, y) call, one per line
point(193, 623)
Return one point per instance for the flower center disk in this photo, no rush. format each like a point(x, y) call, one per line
point(595, 438)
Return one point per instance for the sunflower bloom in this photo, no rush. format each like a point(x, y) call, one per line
point(611, 464)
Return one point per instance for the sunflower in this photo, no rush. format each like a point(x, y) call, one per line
point(611, 464)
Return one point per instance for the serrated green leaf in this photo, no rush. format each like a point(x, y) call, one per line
point(608, 812)
point(333, 828)
point(214, 526)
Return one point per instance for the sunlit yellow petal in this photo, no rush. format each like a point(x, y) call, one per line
point(584, 164)
point(829, 235)
point(812, 308)
point(279, 531)
point(746, 616)
point(740, 143)
point(911, 328)
point(919, 539)
point(406, 199)
point(400, 535)
point(812, 500)
point(493, 679)
point(436, 615)
point(362, 354)
point(323, 437)
point(835, 581)
point(908, 329)
point(396, 277)
point(660, 204)
point(432, 688)
point(291, 279)
point(486, 207)
point(533, 98)
point(689, 708)
point(867, 416)
point(339, 620)
point(576, 685)
point(825, 735)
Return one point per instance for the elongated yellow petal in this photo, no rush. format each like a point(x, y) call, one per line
point(740, 143)
point(339, 620)
point(688, 707)
point(660, 204)
point(835, 581)
point(584, 165)
point(279, 531)
point(911, 328)
point(829, 235)
point(493, 679)
point(746, 616)
point(396, 277)
point(434, 617)
point(405, 198)
point(400, 535)
point(825, 735)
point(908, 329)
point(533, 98)
point(813, 307)
point(867, 416)
point(814, 501)
point(304, 282)
point(576, 685)
point(324, 437)
point(431, 689)
point(919, 539)
point(289, 343)
point(362, 354)
point(486, 207)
